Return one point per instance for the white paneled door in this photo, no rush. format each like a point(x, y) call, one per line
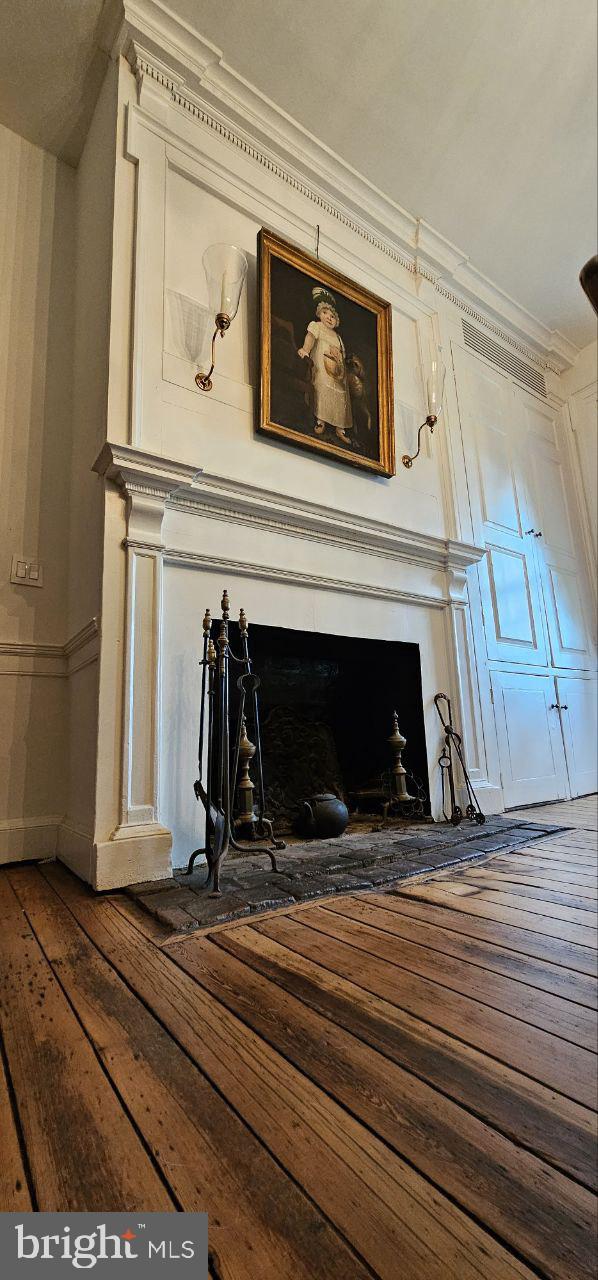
point(509, 580)
point(562, 581)
point(530, 741)
point(577, 702)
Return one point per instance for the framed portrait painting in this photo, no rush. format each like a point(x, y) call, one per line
point(326, 360)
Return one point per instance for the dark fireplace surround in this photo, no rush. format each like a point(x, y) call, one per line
point(326, 710)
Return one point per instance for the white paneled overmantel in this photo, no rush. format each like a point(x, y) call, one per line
point(175, 65)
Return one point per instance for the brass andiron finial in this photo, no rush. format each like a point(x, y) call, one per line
point(225, 605)
point(397, 744)
point(207, 622)
point(245, 787)
point(243, 623)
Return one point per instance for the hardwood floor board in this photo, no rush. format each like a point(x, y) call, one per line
point(557, 1063)
point(382, 1206)
point(209, 1158)
point(83, 1150)
point(550, 1125)
point(469, 887)
point(549, 868)
point(585, 895)
point(14, 1188)
point(580, 859)
point(546, 897)
point(515, 998)
point(437, 893)
point(513, 964)
point(524, 941)
point(480, 1169)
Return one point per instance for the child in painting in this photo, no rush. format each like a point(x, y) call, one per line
point(330, 385)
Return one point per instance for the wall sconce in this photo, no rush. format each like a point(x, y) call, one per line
point(225, 268)
point(435, 392)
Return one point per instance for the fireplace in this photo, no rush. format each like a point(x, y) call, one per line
point(326, 707)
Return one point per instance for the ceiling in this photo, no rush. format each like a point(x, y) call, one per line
point(478, 116)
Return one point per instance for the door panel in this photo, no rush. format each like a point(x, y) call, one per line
point(511, 597)
point(530, 743)
point(509, 581)
point(550, 517)
point(580, 730)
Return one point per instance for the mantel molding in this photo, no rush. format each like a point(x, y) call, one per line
point(222, 498)
point(138, 472)
point(180, 486)
point(193, 77)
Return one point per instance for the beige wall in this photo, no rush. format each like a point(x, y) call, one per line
point(37, 220)
point(95, 200)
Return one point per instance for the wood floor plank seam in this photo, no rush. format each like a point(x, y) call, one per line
point(577, 1112)
point(341, 906)
point(518, 940)
point(270, 1031)
point(101, 1063)
point(49, 910)
point(347, 904)
point(314, 921)
point(15, 1158)
point(568, 1079)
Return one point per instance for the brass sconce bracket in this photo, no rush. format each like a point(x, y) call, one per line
point(409, 459)
point(204, 380)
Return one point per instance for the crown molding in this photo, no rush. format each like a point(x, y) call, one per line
point(192, 73)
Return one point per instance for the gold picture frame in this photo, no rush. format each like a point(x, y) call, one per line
point(326, 376)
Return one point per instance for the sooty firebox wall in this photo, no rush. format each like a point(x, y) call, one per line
point(326, 706)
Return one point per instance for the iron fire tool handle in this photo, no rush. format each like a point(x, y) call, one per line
point(207, 627)
point(451, 737)
point(261, 800)
point(446, 760)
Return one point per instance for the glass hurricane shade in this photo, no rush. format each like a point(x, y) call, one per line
point(435, 386)
point(225, 267)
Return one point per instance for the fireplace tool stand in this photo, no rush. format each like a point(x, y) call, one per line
point(453, 740)
point(222, 767)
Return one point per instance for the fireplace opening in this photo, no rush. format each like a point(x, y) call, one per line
point(326, 710)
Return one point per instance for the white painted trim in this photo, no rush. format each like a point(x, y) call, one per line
point(188, 74)
point(26, 659)
point(23, 839)
point(221, 498)
point(291, 577)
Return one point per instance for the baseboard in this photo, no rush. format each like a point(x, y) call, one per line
point(133, 854)
point(490, 797)
point(22, 839)
point(76, 849)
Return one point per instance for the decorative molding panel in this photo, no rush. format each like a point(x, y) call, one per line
point(178, 70)
point(55, 660)
point(294, 578)
point(221, 498)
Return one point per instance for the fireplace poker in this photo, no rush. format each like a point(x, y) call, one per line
point(445, 760)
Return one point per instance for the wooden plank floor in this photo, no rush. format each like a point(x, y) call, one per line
point(397, 1084)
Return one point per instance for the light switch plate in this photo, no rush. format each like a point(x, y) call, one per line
point(26, 571)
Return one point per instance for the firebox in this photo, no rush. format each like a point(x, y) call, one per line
point(326, 708)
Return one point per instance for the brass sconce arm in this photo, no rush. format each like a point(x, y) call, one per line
point(409, 459)
point(204, 380)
